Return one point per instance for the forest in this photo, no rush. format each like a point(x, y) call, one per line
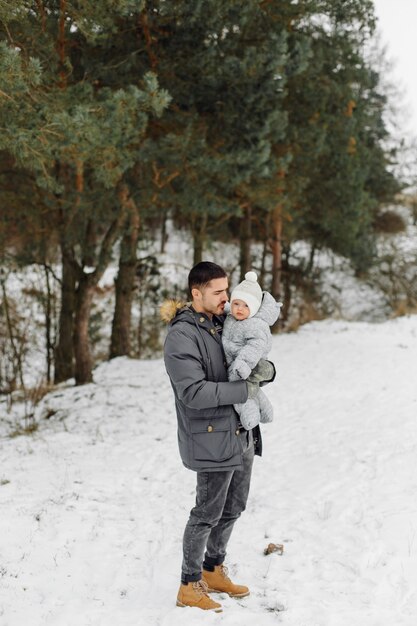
point(256, 124)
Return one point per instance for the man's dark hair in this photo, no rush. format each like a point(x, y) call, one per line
point(202, 273)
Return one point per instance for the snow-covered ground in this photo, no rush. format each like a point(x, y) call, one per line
point(94, 503)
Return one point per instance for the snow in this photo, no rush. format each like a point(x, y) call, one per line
point(95, 501)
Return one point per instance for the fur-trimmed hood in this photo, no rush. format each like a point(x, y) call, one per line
point(170, 308)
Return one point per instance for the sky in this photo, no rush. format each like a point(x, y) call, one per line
point(397, 20)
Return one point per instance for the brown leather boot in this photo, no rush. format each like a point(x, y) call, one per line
point(220, 581)
point(195, 594)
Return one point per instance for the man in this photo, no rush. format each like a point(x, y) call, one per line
point(211, 440)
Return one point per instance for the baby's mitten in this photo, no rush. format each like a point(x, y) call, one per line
point(241, 368)
point(249, 413)
point(265, 408)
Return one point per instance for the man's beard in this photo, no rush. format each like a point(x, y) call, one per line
point(214, 310)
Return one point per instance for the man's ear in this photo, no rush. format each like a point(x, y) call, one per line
point(196, 293)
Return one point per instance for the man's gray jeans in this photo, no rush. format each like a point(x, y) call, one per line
point(220, 499)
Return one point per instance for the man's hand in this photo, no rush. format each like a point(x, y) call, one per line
point(264, 372)
point(253, 390)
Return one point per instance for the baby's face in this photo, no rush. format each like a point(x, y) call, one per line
point(239, 309)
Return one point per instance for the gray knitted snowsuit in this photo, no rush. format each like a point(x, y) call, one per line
point(245, 342)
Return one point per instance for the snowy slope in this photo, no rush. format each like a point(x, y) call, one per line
point(93, 505)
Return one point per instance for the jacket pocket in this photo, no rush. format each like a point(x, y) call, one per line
point(211, 442)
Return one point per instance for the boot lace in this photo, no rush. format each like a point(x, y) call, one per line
point(224, 572)
point(201, 588)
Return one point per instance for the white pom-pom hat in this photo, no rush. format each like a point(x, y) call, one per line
point(250, 292)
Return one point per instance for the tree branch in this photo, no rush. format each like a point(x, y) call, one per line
point(43, 14)
point(61, 43)
point(148, 39)
point(112, 233)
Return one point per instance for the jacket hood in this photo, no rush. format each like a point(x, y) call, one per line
point(269, 310)
point(174, 311)
point(170, 309)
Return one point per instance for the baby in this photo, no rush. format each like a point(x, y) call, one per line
point(246, 339)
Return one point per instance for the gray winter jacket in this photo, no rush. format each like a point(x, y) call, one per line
point(208, 434)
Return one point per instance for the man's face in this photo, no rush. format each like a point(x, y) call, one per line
point(212, 298)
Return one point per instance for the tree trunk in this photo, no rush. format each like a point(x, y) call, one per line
point(276, 245)
point(164, 234)
point(265, 250)
point(48, 324)
point(85, 292)
point(83, 358)
point(310, 264)
point(64, 351)
point(286, 287)
point(199, 233)
point(16, 352)
point(140, 325)
point(125, 283)
point(245, 260)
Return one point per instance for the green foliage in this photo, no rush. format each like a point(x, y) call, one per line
point(105, 130)
point(224, 66)
point(271, 103)
point(77, 133)
point(338, 171)
point(203, 108)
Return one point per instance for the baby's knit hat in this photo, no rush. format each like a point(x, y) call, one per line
point(250, 292)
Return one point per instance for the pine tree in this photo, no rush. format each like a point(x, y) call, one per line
point(347, 176)
point(333, 160)
point(224, 66)
point(80, 132)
